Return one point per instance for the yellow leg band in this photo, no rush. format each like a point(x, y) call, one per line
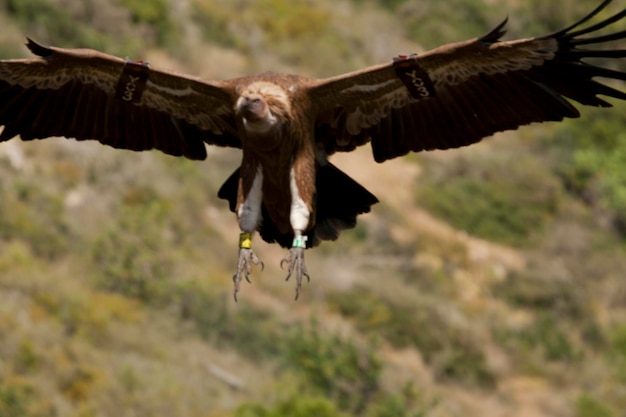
point(245, 241)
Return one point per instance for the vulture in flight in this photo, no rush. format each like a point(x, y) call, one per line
point(287, 125)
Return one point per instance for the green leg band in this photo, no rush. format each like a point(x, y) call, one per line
point(299, 242)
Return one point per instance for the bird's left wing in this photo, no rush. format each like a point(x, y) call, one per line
point(86, 94)
point(459, 93)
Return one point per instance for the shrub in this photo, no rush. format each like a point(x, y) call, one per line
point(133, 256)
point(552, 341)
point(532, 290)
point(588, 406)
point(501, 199)
point(156, 14)
point(435, 22)
point(449, 349)
point(55, 23)
point(335, 367)
point(546, 339)
point(590, 155)
point(254, 332)
point(617, 351)
point(295, 406)
point(34, 215)
point(406, 403)
point(19, 398)
point(213, 19)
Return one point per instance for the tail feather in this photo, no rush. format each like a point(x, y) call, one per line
point(339, 201)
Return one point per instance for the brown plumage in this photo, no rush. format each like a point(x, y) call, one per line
point(287, 125)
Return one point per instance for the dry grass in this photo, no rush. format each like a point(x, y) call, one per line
point(476, 327)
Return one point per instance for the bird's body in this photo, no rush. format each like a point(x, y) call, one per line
point(287, 125)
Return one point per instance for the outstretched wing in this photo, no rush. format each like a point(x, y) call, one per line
point(85, 94)
point(458, 94)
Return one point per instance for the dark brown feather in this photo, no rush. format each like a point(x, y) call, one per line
point(483, 86)
point(473, 89)
point(81, 107)
point(339, 201)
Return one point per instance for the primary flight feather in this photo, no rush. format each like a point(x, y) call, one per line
point(287, 125)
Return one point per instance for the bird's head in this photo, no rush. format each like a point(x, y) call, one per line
point(263, 105)
point(253, 107)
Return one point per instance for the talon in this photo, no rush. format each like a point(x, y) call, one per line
point(295, 259)
point(247, 258)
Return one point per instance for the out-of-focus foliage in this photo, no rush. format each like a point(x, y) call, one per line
point(115, 267)
point(134, 256)
point(433, 23)
point(588, 406)
point(120, 27)
point(591, 160)
point(45, 18)
point(338, 369)
point(156, 15)
point(340, 377)
point(296, 406)
point(451, 350)
point(507, 200)
point(298, 32)
point(617, 354)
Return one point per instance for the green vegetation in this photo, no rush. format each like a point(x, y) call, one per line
point(507, 200)
point(587, 406)
point(617, 353)
point(592, 156)
point(35, 214)
point(275, 27)
point(50, 21)
point(338, 369)
point(115, 267)
point(297, 406)
point(451, 350)
point(155, 14)
point(110, 26)
point(134, 256)
point(339, 378)
point(433, 22)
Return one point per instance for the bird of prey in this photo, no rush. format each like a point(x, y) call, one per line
point(287, 125)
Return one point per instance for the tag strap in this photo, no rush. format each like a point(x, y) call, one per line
point(132, 81)
point(414, 77)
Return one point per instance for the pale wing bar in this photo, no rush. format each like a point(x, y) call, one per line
point(37, 102)
point(484, 104)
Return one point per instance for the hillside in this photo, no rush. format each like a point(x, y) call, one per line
point(488, 282)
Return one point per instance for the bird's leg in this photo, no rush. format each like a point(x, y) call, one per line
point(246, 259)
point(295, 259)
point(249, 201)
point(300, 213)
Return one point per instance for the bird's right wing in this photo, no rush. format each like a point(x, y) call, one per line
point(460, 93)
point(86, 94)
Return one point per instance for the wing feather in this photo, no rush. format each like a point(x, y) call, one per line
point(71, 93)
point(482, 86)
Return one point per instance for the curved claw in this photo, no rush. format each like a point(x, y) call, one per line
point(244, 267)
point(295, 259)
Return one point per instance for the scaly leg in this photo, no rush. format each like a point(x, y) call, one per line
point(249, 200)
point(300, 213)
point(246, 259)
point(295, 259)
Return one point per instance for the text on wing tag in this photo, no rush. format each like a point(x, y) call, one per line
point(413, 76)
point(132, 82)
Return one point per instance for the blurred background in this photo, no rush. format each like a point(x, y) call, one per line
point(489, 281)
